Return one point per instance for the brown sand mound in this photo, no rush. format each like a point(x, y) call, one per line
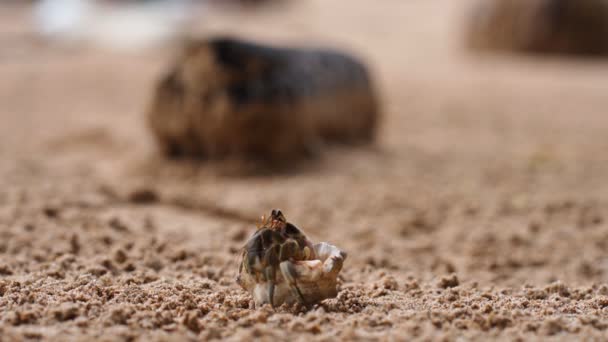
point(230, 98)
point(540, 26)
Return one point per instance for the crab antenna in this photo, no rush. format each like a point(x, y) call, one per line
point(260, 223)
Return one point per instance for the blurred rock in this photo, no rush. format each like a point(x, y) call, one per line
point(540, 26)
point(225, 97)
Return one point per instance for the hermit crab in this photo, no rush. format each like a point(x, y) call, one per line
point(279, 264)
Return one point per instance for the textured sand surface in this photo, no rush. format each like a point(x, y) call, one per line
point(481, 213)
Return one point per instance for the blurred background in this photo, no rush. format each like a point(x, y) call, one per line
point(490, 162)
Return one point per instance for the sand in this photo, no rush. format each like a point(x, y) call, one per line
point(481, 213)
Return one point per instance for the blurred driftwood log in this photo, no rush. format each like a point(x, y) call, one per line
point(230, 98)
point(540, 26)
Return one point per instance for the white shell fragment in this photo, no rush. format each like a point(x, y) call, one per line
point(316, 278)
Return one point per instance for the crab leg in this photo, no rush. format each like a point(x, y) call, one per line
point(290, 275)
point(288, 251)
point(270, 273)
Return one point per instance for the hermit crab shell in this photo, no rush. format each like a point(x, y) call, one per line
point(316, 279)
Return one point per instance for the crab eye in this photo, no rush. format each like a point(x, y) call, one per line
point(277, 216)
